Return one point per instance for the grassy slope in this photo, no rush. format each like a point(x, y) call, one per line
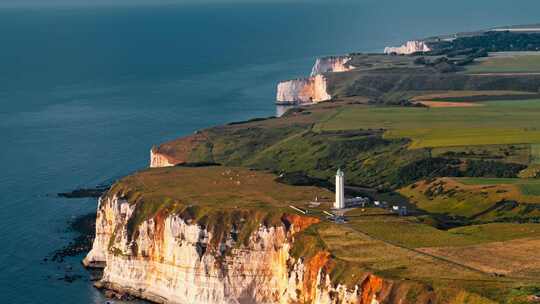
point(481, 200)
point(508, 63)
point(528, 189)
point(394, 248)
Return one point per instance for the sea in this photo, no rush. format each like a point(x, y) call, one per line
point(86, 90)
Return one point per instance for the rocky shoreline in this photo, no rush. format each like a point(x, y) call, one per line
point(84, 227)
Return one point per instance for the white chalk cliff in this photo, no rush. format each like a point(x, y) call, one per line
point(409, 47)
point(331, 64)
point(167, 259)
point(303, 91)
point(158, 160)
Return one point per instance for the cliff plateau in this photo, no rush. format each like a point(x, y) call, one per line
point(167, 251)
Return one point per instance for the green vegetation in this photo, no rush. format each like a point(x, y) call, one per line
point(491, 41)
point(535, 154)
point(477, 200)
point(373, 144)
point(507, 63)
point(363, 246)
point(517, 154)
point(498, 181)
point(413, 232)
point(528, 187)
point(308, 243)
point(501, 122)
point(496, 232)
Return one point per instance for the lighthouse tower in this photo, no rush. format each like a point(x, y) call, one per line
point(340, 192)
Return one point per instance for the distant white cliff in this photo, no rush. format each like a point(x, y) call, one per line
point(303, 91)
point(158, 160)
point(409, 47)
point(331, 64)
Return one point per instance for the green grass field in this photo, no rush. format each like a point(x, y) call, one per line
point(498, 122)
point(508, 63)
point(412, 233)
point(496, 232)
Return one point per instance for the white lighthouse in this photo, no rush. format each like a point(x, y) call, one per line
point(340, 191)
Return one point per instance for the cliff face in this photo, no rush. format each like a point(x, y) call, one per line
point(168, 259)
point(408, 48)
point(303, 91)
point(331, 64)
point(158, 160)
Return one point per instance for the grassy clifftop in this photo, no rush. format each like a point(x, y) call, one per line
point(418, 259)
point(218, 198)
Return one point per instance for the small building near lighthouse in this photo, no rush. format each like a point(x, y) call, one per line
point(340, 190)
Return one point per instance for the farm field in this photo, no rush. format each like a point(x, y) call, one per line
point(497, 232)
point(358, 252)
point(507, 62)
point(411, 232)
point(515, 258)
point(465, 95)
point(497, 122)
point(405, 247)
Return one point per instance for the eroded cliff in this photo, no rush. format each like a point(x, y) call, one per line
point(331, 64)
point(158, 160)
point(303, 91)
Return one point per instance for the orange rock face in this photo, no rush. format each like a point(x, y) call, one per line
point(300, 223)
point(371, 286)
point(313, 266)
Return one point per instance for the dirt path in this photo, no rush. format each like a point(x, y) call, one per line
point(442, 259)
point(420, 252)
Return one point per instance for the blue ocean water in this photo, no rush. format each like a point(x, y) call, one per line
point(86, 91)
